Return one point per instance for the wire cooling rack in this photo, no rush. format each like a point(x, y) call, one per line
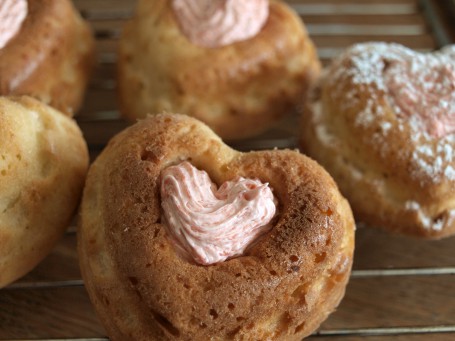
point(400, 288)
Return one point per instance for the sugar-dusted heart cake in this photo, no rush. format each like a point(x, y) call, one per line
point(183, 238)
point(382, 122)
point(46, 51)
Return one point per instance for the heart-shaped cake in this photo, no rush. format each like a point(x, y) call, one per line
point(239, 66)
point(382, 122)
point(183, 238)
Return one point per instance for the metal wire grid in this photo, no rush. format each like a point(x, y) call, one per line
point(442, 38)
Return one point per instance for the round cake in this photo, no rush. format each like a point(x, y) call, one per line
point(183, 238)
point(43, 162)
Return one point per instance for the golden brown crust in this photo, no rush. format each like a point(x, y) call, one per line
point(393, 176)
point(51, 56)
point(238, 90)
point(282, 288)
point(43, 161)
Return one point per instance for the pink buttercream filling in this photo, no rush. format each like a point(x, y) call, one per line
point(423, 86)
point(210, 225)
point(12, 15)
point(215, 23)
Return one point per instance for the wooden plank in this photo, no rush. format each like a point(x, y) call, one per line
point(47, 313)
point(396, 302)
point(376, 249)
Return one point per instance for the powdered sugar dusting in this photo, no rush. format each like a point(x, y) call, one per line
point(419, 90)
point(435, 159)
point(428, 222)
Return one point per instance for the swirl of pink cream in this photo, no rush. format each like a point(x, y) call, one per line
point(12, 15)
point(210, 225)
point(215, 23)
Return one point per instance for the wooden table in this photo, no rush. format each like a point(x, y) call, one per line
point(401, 288)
